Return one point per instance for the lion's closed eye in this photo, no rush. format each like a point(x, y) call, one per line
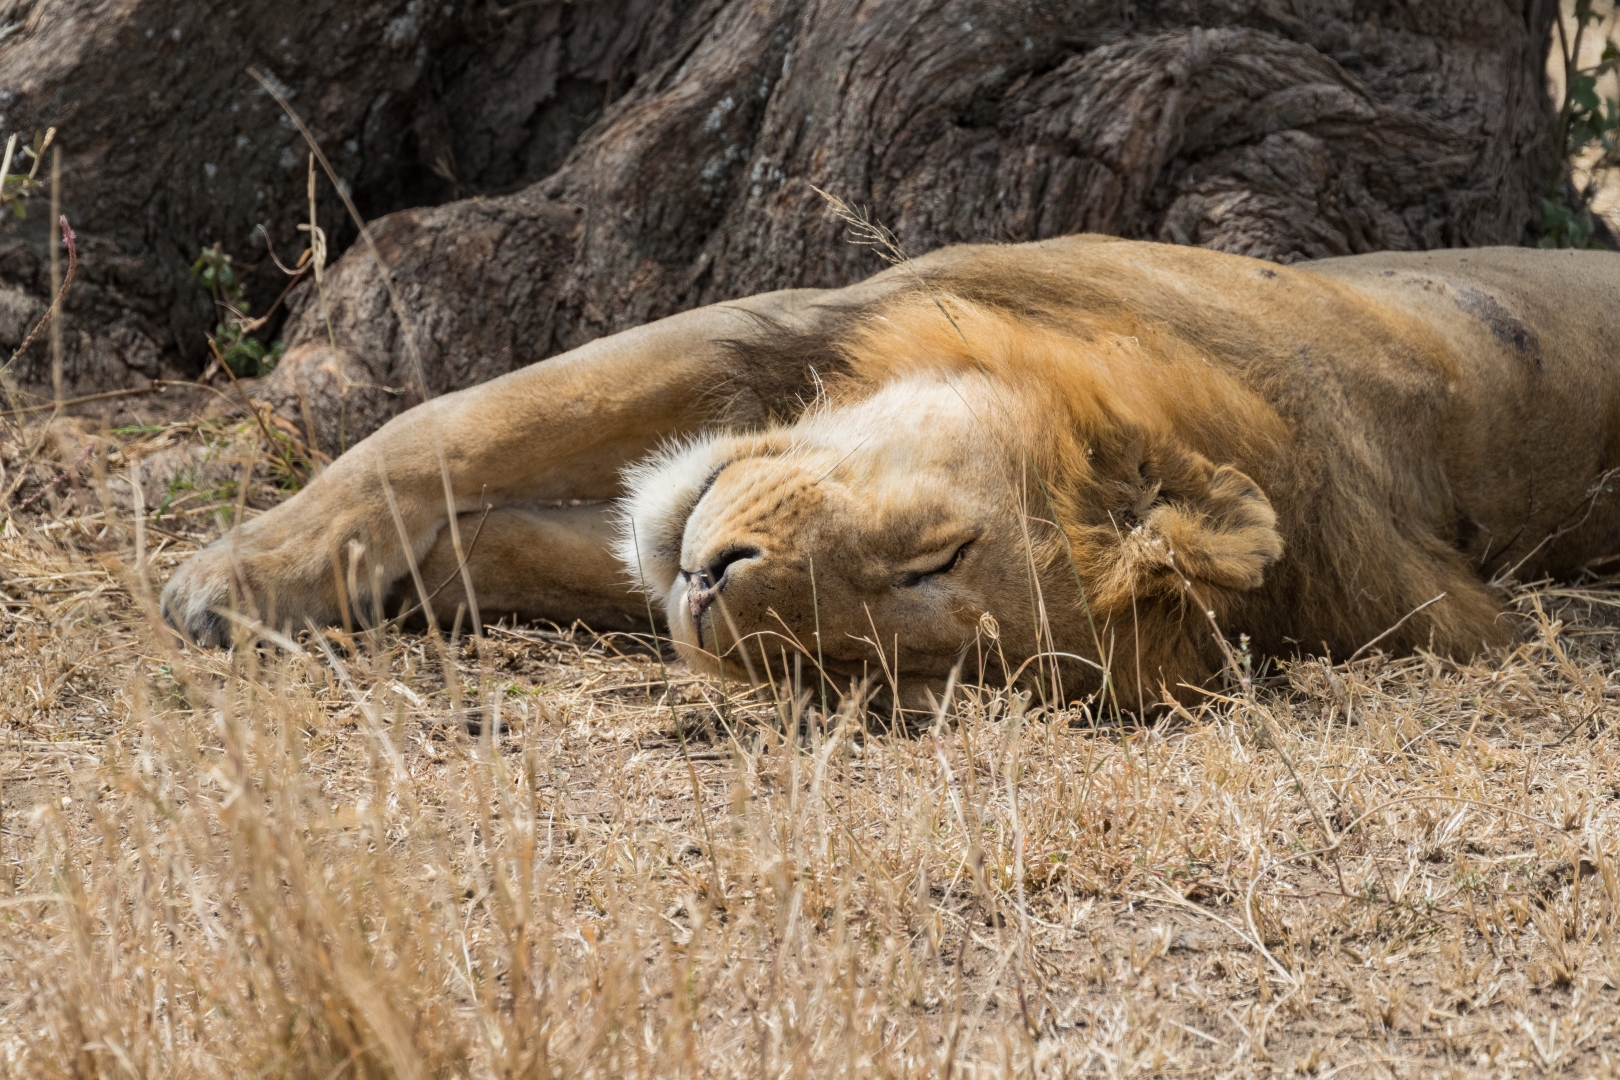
point(934, 564)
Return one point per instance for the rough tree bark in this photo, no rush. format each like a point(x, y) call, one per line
point(169, 146)
point(631, 158)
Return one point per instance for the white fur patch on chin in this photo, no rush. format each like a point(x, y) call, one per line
point(661, 492)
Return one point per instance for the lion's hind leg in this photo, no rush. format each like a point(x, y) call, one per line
point(1448, 608)
point(550, 563)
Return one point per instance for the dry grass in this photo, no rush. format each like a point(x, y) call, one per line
point(298, 863)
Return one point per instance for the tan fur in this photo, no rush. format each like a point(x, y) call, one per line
point(1137, 444)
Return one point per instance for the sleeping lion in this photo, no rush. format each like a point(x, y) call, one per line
point(1116, 460)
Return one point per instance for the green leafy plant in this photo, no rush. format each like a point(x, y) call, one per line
point(232, 340)
point(15, 188)
point(1585, 139)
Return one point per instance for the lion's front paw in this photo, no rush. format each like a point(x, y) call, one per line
point(274, 586)
point(197, 594)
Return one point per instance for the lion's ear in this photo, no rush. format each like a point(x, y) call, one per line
point(1223, 536)
point(1208, 527)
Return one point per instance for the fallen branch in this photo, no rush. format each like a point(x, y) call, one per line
point(156, 386)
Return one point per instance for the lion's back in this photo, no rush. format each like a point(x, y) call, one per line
point(1532, 417)
point(1471, 397)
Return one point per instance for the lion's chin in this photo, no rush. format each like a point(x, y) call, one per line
point(683, 635)
point(695, 645)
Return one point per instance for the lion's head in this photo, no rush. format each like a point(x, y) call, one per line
point(967, 466)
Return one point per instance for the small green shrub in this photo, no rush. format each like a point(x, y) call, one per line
point(1586, 134)
point(17, 187)
point(232, 341)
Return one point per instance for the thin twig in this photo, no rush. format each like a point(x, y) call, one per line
point(154, 387)
point(69, 239)
point(407, 329)
point(461, 567)
point(1398, 624)
point(286, 458)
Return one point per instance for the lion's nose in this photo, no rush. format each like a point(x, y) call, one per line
point(702, 586)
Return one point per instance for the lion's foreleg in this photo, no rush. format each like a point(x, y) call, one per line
point(563, 429)
point(536, 563)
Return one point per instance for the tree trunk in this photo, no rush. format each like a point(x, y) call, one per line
point(169, 146)
point(631, 158)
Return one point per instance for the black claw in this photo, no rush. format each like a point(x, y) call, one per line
point(208, 631)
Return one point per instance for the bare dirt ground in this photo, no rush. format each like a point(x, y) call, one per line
point(550, 853)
